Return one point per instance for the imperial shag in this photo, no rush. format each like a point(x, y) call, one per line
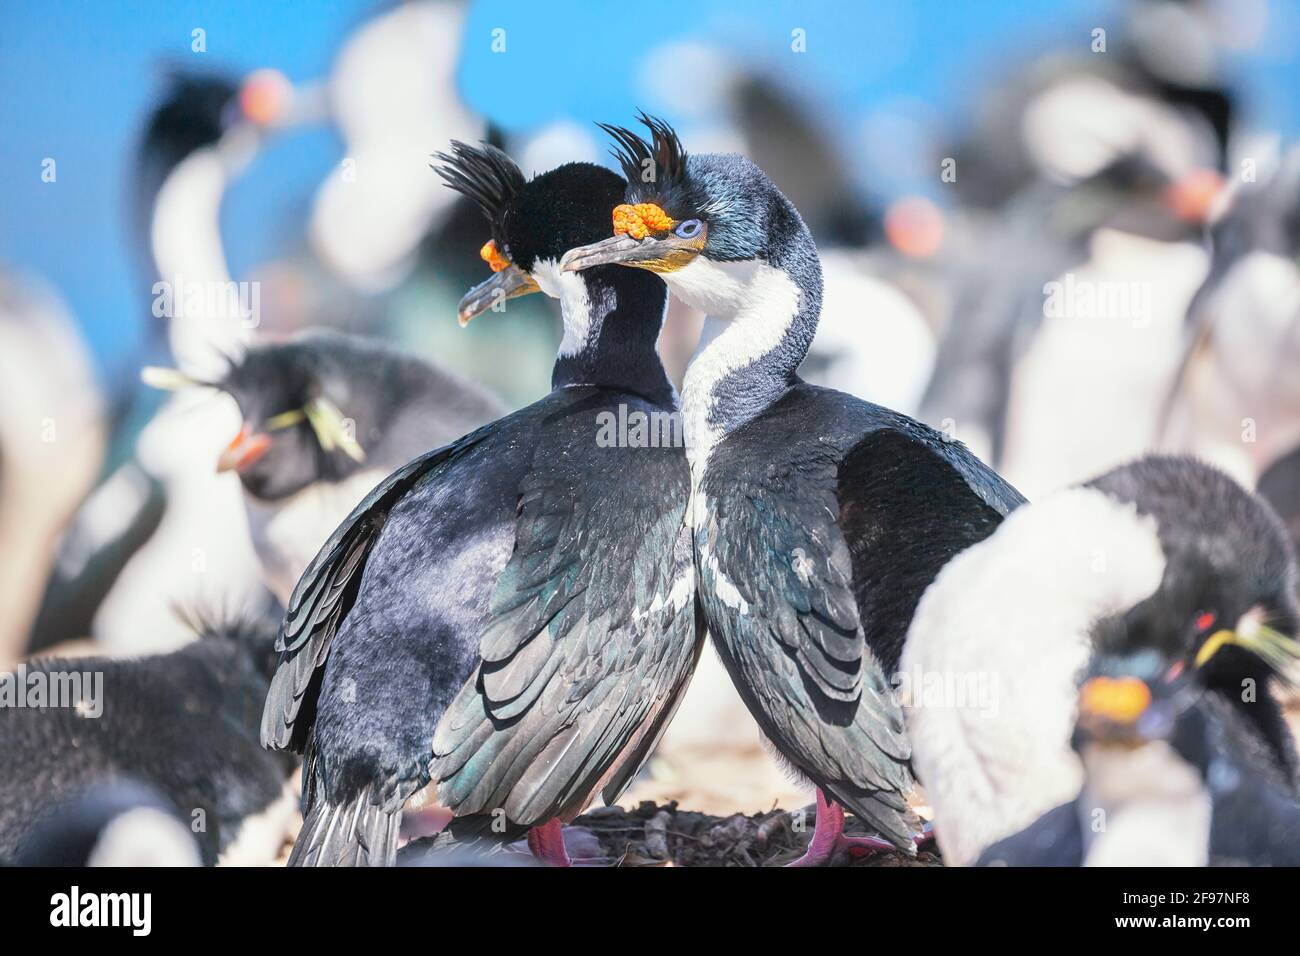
point(818, 518)
point(506, 624)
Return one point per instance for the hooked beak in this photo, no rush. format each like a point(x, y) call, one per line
point(247, 448)
point(510, 283)
point(660, 254)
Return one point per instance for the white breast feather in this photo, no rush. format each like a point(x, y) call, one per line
point(1015, 611)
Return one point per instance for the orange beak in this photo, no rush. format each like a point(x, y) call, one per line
point(1121, 700)
point(914, 226)
point(265, 97)
point(247, 447)
point(1192, 197)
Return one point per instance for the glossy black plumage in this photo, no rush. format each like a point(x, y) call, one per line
point(537, 578)
point(511, 616)
point(830, 516)
point(819, 519)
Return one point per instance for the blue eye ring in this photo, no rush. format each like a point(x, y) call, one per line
point(688, 229)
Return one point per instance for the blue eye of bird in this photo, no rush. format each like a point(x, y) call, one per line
point(689, 229)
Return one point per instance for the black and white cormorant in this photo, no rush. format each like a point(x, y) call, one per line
point(162, 525)
point(1172, 776)
point(183, 723)
point(818, 518)
point(504, 625)
point(1165, 555)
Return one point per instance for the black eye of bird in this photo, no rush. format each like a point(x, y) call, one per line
point(689, 229)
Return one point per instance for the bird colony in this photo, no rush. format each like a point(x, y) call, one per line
point(974, 526)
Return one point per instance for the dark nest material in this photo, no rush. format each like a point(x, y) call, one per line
point(654, 835)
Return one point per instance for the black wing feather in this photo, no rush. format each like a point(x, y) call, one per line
point(812, 555)
point(585, 652)
point(323, 596)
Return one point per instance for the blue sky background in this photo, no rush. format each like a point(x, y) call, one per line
point(76, 79)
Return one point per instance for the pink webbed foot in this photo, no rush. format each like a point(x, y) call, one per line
point(828, 839)
point(558, 845)
point(547, 844)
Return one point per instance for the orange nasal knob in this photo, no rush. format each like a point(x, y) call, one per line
point(493, 258)
point(640, 220)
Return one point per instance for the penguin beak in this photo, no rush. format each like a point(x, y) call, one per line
point(1128, 711)
point(510, 283)
point(1115, 711)
point(661, 254)
point(247, 448)
point(265, 98)
point(1192, 198)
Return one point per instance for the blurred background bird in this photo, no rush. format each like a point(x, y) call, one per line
point(1166, 557)
point(1062, 232)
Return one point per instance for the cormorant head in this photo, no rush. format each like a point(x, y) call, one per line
point(532, 222)
point(681, 211)
point(1226, 606)
point(199, 108)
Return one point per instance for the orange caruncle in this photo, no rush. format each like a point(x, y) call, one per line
point(493, 258)
point(640, 220)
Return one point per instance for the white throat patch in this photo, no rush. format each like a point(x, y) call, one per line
point(144, 837)
point(575, 304)
point(750, 306)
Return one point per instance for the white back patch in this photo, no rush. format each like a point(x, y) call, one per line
point(1013, 615)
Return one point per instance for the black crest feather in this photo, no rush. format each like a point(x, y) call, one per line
point(486, 175)
point(665, 152)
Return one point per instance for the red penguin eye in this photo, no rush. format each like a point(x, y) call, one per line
point(1204, 621)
